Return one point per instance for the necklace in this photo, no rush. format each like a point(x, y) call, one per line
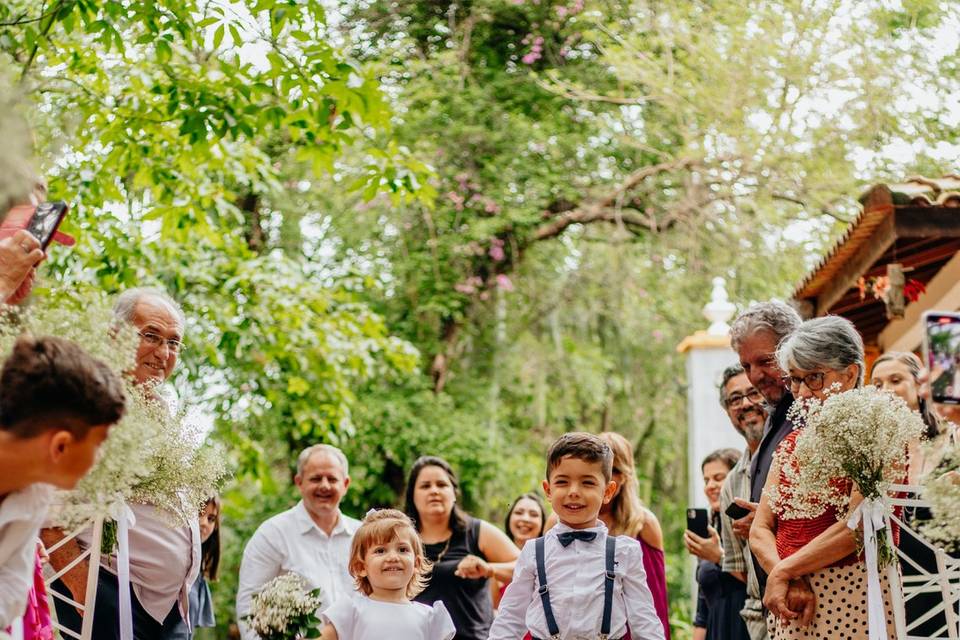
point(443, 551)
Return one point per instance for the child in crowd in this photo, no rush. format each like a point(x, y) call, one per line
point(201, 602)
point(576, 581)
point(387, 561)
point(57, 404)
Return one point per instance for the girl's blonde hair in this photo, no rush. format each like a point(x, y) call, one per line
point(380, 527)
point(626, 510)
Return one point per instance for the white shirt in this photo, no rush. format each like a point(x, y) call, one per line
point(361, 618)
point(21, 515)
point(292, 542)
point(164, 560)
point(575, 578)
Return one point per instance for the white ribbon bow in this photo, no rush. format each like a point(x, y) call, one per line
point(871, 513)
point(125, 519)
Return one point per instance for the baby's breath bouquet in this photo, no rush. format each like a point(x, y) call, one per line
point(941, 489)
point(285, 609)
point(859, 436)
point(153, 455)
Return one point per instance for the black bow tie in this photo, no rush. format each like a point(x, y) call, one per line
point(567, 537)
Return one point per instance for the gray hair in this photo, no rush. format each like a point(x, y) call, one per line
point(830, 343)
point(127, 301)
point(730, 372)
point(774, 316)
point(329, 449)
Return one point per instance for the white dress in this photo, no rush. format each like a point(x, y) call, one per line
point(361, 618)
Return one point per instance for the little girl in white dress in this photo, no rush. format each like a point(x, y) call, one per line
point(388, 564)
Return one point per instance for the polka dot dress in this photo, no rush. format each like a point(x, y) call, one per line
point(841, 607)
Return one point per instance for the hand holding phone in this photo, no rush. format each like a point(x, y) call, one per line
point(697, 522)
point(19, 254)
point(736, 512)
point(941, 354)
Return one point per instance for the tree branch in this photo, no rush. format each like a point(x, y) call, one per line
point(604, 209)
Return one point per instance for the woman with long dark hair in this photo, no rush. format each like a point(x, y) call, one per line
point(200, 599)
point(465, 551)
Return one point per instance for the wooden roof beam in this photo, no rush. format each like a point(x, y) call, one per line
point(847, 276)
point(927, 222)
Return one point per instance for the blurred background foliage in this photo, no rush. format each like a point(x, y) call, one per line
point(461, 228)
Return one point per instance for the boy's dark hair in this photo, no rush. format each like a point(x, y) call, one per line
point(51, 383)
point(583, 446)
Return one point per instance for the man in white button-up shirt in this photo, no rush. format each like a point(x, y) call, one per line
point(312, 539)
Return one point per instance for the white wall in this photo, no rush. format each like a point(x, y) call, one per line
point(708, 427)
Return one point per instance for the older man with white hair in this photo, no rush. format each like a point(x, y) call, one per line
point(312, 539)
point(164, 560)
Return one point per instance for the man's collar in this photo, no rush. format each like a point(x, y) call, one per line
point(344, 524)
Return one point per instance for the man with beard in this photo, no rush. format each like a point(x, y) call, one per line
point(744, 404)
point(312, 539)
point(755, 336)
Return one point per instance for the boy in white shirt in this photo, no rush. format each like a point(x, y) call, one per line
point(56, 405)
point(576, 582)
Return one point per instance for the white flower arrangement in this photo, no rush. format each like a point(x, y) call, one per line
point(860, 437)
point(941, 489)
point(285, 609)
point(152, 455)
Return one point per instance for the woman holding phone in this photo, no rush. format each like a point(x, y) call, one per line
point(720, 595)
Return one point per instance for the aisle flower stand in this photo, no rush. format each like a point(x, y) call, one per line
point(945, 582)
point(93, 554)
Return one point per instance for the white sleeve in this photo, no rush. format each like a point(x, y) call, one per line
point(441, 624)
point(641, 612)
point(511, 620)
point(342, 615)
point(16, 579)
point(262, 561)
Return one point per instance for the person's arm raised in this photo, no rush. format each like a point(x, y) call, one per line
point(19, 254)
point(500, 553)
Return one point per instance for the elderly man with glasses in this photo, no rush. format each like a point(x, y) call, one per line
point(164, 560)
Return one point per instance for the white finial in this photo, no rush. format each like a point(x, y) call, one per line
point(719, 309)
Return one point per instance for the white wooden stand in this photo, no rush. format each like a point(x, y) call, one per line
point(93, 554)
point(946, 581)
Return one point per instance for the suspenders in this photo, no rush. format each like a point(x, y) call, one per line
point(607, 589)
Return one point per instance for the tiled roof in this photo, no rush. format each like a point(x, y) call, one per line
point(927, 192)
point(916, 191)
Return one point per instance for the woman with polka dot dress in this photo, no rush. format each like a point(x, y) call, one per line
point(817, 583)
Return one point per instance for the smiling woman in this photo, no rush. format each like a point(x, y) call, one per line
point(465, 551)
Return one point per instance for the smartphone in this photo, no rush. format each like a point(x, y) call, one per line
point(45, 221)
point(735, 511)
point(941, 353)
point(697, 522)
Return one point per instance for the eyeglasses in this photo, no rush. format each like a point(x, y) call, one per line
point(154, 341)
point(737, 399)
point(813, 381)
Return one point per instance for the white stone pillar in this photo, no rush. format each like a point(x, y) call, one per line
point(708, 354)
